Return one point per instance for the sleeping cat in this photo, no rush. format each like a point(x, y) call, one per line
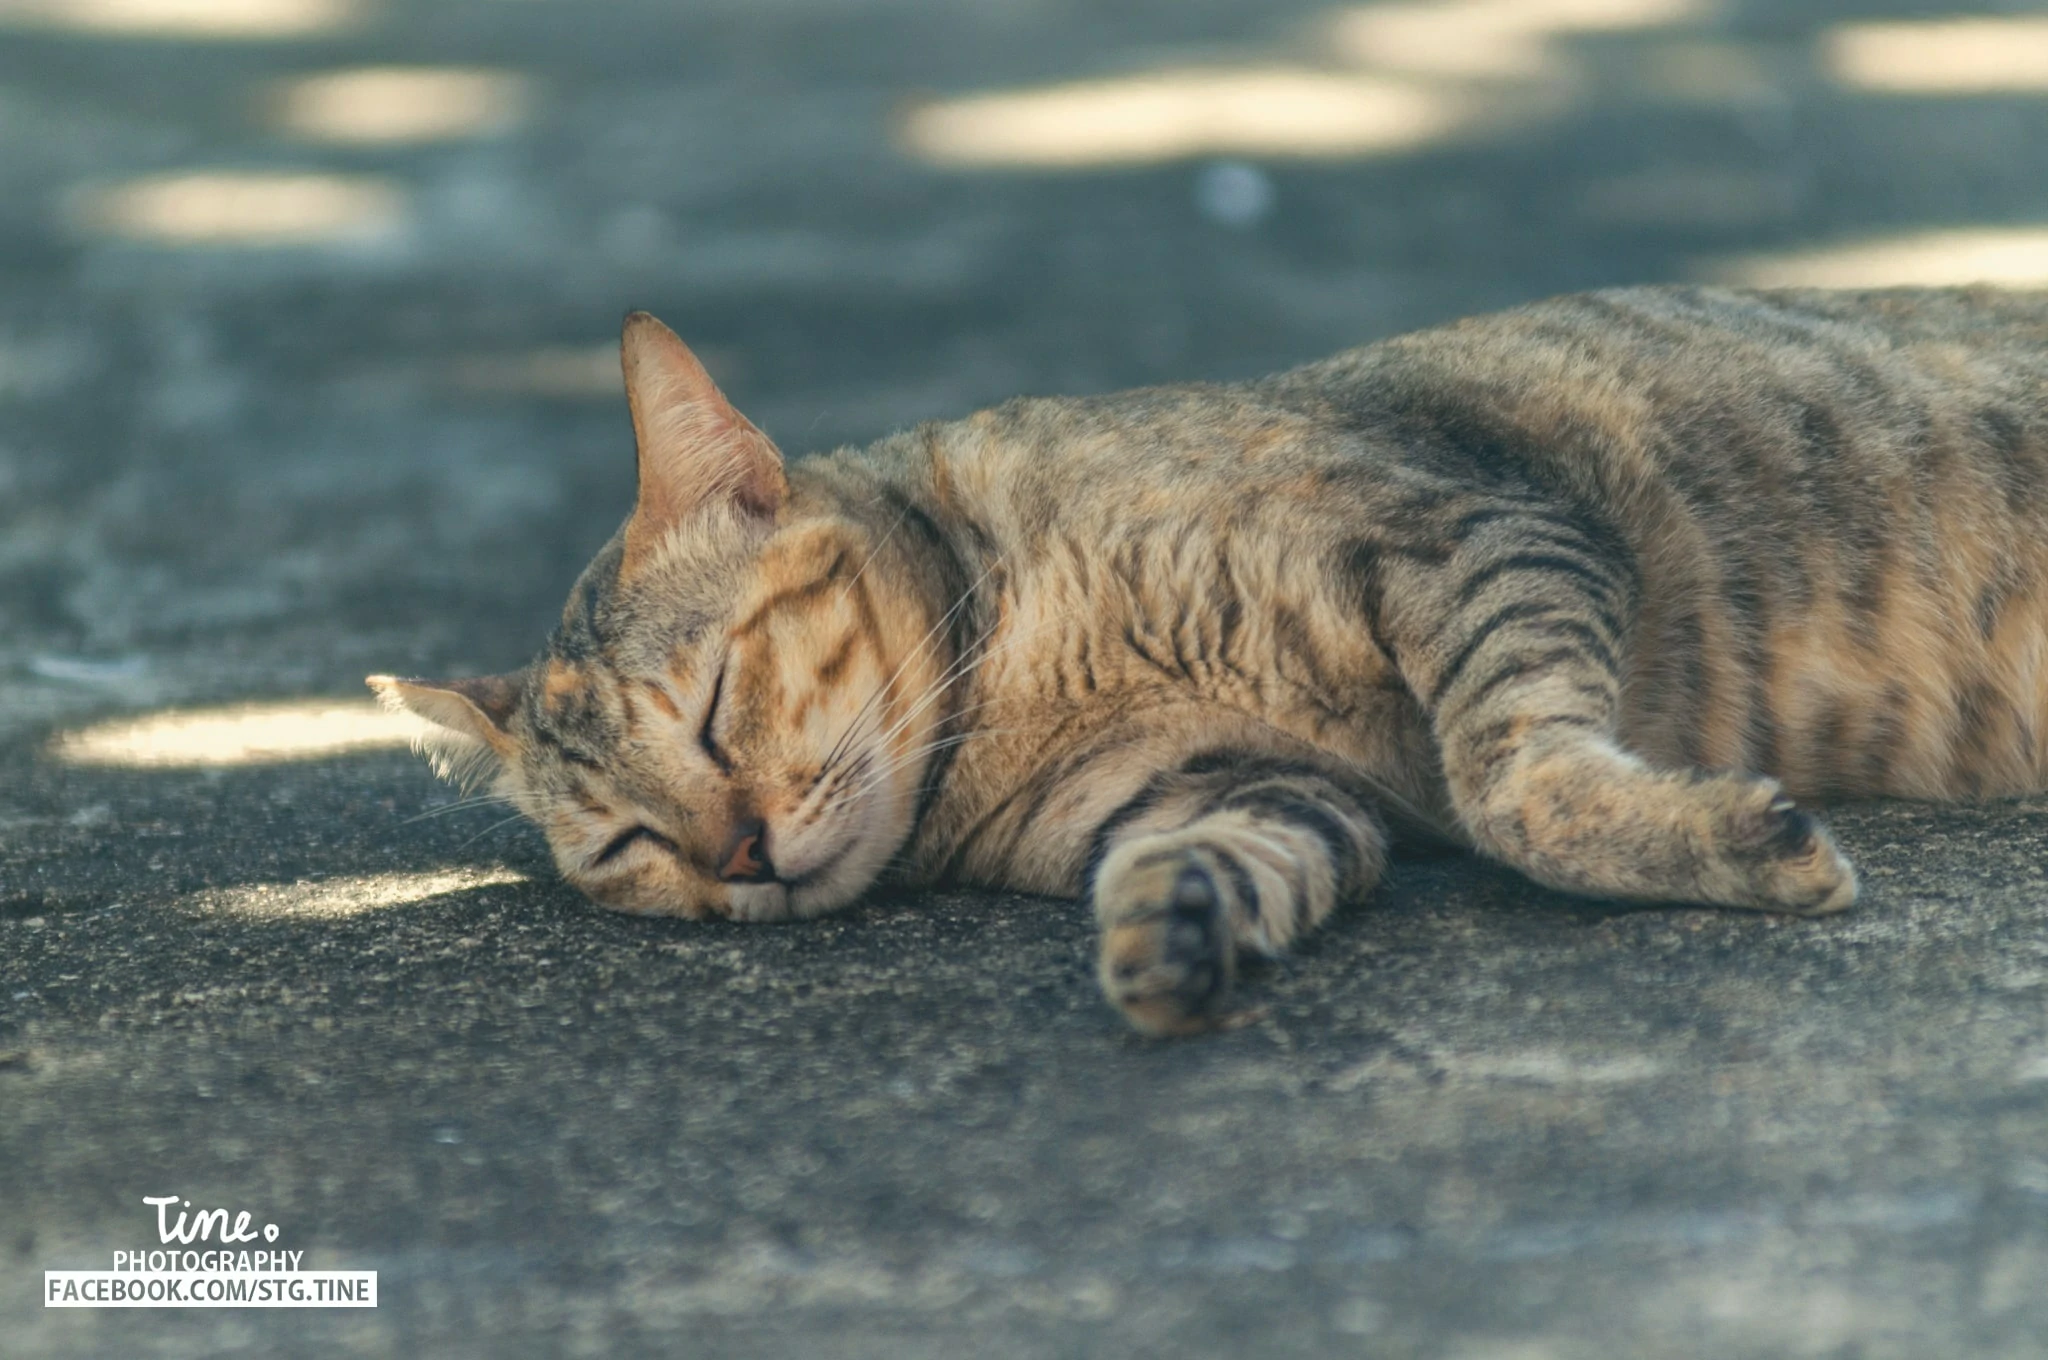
point(1593, 586)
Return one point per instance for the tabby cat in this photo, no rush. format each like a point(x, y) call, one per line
point(1594, 587)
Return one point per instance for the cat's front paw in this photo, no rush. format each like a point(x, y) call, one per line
point(1167, 954)
point(1788, 859)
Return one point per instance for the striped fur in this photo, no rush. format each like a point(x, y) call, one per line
point(1595, 587)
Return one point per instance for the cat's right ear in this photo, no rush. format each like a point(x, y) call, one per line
point(471, 719)
point(694, 447)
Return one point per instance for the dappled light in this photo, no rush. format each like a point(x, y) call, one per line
point(244, 208)
point(352, 896)
point(1941, 56)
point(222, 19)
point(1165, 115)
point(1383, 80)
point(239, 734)
point(2012, 257)
point(1205, 574)
point(394, 105)
point(1488, 39)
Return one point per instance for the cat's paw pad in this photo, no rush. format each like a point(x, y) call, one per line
point(1167, 957)
point(1790, 860)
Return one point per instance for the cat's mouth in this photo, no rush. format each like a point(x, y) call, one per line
point(820, 864)
point(795, 882)
point(788, 896)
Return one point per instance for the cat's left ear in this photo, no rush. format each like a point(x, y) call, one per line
point(472, 718)
point(694, 447)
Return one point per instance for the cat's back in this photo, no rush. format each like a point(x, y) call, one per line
point(1834, 505)
point(1837, 504)
point(1718, 387)
point(1687, 374)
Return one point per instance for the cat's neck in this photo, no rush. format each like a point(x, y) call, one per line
point(934, 549)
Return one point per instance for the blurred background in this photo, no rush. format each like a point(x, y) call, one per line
point(307, 307)
point(308, 326)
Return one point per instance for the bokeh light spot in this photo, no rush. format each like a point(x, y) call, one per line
point(1400, 77)
point(1488, 39)
point(244, 209)
point(1940, 57)
point(235, 19)
point(1170, 114)
point(391, 105)
point(2003, 257)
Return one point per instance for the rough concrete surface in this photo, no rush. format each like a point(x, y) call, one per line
point(1475, 1121)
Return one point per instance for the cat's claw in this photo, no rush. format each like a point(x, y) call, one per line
point(1792, 862)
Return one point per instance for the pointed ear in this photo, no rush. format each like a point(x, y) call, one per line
point(693, 445)
point(471, 718)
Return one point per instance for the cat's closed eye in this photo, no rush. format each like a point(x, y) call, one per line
point(705, 738)
point(625, 840)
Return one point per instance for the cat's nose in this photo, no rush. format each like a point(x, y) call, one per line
point(746, 857)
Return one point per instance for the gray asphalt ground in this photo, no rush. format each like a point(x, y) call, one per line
point(1476, 1121)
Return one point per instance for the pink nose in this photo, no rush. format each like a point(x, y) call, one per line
point(746, 858)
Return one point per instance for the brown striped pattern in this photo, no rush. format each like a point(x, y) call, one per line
point(1595, 587)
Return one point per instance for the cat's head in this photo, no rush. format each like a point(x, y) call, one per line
point(735, 715)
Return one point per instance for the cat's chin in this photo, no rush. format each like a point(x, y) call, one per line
point(787, 901)
point(763, 902)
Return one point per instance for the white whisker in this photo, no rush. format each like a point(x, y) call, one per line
point(460, 805)
point(914, 653)
point(875, 551)
point(498, 825)
point(878, 775)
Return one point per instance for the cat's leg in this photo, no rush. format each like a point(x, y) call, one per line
point(1521, 681)
point(1229, 852)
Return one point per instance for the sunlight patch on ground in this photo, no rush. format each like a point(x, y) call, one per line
point(1539, 1067)
point(1379, 80)
point(352, 896)
point(2004, 257)
point(1489, 39)
point(241, 19)
point(1166, 115)
point(393, 105)
point(244, 209)
point(1941, 56)
point(240, 734)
